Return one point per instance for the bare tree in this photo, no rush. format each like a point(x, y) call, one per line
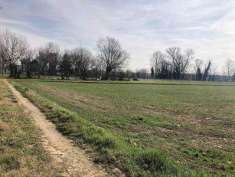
point(13, 49)
point(53, 52)
point(188, 57)
point(198, 69)
point(213, 72)
point(26, 63)
point(152, 73)
point(48, 59)
point(111, 54)
point(174, 53)
point(206, 71)
point(65, 66)
point(162, 67)
point(157, 59)
point(82, 62)
point(96, 68)
point(180, 62)
point(229, 66)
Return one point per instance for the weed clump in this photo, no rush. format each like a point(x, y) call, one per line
point(153, 161)
point(9, 163)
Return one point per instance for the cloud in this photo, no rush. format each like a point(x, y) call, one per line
point(142, 26)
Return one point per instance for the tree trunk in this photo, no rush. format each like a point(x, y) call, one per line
point(107, 72)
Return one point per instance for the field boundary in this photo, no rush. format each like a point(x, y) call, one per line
point(210, 83)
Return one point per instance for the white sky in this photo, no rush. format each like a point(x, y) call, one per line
point(142, 26)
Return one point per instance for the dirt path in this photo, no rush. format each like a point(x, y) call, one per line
point(62, 151)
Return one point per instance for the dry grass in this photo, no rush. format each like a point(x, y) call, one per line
point(21, 152)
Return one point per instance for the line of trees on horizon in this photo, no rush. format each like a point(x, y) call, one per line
point(174, 64)
point(18, 60)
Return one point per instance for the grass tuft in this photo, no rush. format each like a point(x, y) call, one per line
point(9, 162)
point(153, 161)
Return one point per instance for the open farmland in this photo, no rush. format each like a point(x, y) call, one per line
point(191, 124)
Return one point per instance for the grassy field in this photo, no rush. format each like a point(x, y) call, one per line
point(21, 152)
point(167, 128)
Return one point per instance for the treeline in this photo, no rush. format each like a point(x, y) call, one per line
point(175, 64)
point(18, 60)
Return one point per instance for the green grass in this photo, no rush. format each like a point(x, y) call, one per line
point(21, 152)
point(168, 128)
